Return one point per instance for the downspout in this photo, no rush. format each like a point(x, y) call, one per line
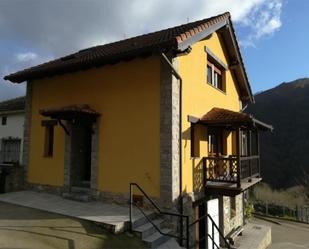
point(178, 77)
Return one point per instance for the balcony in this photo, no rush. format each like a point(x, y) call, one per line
point(231, 174)
point(230, 162)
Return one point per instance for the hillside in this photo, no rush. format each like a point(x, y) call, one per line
point(285, 152)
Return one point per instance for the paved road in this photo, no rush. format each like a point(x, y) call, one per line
point(288, 235)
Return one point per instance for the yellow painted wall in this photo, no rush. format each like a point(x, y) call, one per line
point(199, 97)
point(128, 97)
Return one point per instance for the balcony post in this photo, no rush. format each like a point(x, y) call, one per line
point(250, 153)
point(258, 150)
point(238, 151)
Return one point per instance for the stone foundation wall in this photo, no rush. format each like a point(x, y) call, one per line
point(14, 178)
point(232, 222)
point(190, 210)
point(58, 190)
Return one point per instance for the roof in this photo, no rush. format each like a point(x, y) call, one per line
point(68, 112)
point(223, 117)
point(174, 39)
point(13, 105)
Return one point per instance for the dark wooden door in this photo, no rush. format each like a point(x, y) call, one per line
point(81, 154)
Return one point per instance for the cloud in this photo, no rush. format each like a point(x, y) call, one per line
point(263, 21)
point(52, 28)
point(29, 56)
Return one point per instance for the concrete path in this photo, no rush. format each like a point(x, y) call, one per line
point(27, 228)
point(287, 234)
point(114, 217)
point(254, 236)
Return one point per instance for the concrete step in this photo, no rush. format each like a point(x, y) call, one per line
point(170, 244)
point(148, 229)
point(142, 220)
point(82, 197)
point(157, 239)
point(77, 189)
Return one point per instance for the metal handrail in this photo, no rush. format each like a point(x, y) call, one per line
point(155, 205)
point(155, 226)
point(213, 242)
point(213, 225)
point(188, 226)
point(181, 238)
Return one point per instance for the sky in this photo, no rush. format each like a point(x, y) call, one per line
point(272, 33)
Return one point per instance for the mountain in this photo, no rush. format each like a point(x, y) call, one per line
point(285, 152)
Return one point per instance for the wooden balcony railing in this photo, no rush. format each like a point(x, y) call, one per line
point(231, 169)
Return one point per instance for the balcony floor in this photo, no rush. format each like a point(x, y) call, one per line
point(230, 189)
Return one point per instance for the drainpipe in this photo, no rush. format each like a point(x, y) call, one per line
point(178, 77)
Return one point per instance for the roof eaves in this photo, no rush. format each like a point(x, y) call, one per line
point(28, 74)
point(240, 59)
point(183, 44)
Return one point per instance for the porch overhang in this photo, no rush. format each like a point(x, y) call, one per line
point(230, 189)
point(219, 117)
point(70, 112)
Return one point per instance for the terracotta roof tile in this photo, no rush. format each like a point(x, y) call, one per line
point(219, 115)
point(16, 104)
point(223, 117)
point(132, 47)
point(71, 109)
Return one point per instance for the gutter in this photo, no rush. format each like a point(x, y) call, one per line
point(178, 77)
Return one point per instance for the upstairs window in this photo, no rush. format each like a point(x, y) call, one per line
point(214, 76)
point(4, 120)
point(215, 71)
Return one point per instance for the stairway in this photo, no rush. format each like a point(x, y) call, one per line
point(78, 194)
point(149, 234)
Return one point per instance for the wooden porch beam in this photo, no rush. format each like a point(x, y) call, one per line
point(238, 151)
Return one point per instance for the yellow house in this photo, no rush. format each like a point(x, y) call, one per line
point(162, 110)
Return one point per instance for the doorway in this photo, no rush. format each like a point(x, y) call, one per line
point(81, 140)
point(202, 233)
point(213, 211)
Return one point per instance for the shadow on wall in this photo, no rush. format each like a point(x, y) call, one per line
point(197, 166)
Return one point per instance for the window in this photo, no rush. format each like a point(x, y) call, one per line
point(244, 144)
point(215, 143)
point(215, 76)
point(4, 120)
point(215, 70)
point(10, 150)
point(49, 141)
point(209, 74)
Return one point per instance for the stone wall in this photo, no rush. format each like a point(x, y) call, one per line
point(14, 177)
point(46, 188)
point(169, 135)
point(67, 157)
point(229, 222)
point(27, 126)
point(94, 155)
